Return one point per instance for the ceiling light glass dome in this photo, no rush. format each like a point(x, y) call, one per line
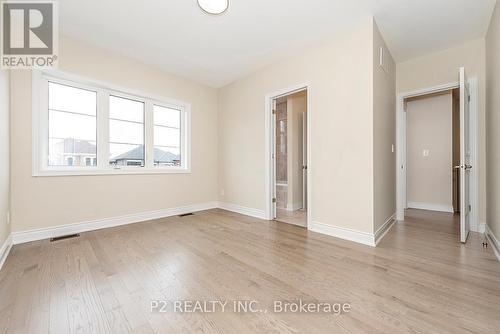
point(214, 7)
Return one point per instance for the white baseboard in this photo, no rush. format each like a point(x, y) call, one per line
point(343, 233)
point(495, 244)
point(431, 207)
point(382, 231)
point(256, 213)
point(4, 251)
point(294, 206)
point(365, 238)
point(481, 228)
point(55, 231)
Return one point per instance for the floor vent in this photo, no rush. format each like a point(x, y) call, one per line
point(64, 237)
point(186, 214)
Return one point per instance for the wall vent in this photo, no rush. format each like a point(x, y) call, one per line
point(64, 237)
point(383, 59)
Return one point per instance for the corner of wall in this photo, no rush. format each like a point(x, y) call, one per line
point(384, 128)
point(492, 50)
point(5, 193)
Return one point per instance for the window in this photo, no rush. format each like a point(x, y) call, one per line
point(72, 125)
point(126, 132)
point(83, 128)
point(167, 136)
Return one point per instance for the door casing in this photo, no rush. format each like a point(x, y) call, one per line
point(401, 186)
point(270, 126)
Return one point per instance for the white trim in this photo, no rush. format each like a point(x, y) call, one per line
point(481, 228)
point(474, 126)
point(294, 206)
point(268, 160)
point(384, 229)
point(401, 200)
point(343, 233)
point(16, 238)
point(5, 250)
point(495, 244)
point(103, 90)
point(55, 231)
point(431, 207)
point(365, 238)
point(256, 213)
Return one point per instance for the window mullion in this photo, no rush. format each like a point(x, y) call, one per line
point(149, 134)
point(185, 138)
point(102, 129)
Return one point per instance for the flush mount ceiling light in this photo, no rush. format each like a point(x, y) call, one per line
point(214, 7)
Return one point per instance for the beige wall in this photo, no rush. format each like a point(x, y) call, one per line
point(493, 121)
point(442, 68)
point(384, 134)
point(49, 201)
point(429, 127)
point(4, 156)
point(341, 123)
point(297, 105)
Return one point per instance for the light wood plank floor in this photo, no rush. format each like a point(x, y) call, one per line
point(297, 217)
point(419, 280)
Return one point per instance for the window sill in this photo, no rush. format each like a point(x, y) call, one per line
point(118, 171)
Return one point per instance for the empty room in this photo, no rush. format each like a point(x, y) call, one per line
point(230, 166)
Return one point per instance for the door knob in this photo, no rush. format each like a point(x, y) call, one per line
point(466, 167)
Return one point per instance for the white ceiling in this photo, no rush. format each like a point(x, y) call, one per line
point(176, 36)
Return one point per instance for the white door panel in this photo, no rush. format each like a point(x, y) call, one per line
point(273, 125)
point(465, 157)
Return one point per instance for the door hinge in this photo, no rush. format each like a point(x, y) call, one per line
point(470, 208)
point(274, 111)
point(274, 200)
point(468, 98)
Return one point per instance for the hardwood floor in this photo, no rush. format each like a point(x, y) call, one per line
point(419, 280)
point(297, 217)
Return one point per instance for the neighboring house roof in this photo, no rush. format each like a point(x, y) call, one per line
point(138, 154)
point(77, 146)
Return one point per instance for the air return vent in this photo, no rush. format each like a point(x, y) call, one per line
point(186, 214)
point(64, 237)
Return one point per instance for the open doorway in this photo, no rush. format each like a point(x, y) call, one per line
point(290, 116)
point(433, 151)
point(437, 151)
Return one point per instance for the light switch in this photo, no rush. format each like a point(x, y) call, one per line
point(425, 153)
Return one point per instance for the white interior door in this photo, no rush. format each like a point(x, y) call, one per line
point(273, 156)
point(465, 157)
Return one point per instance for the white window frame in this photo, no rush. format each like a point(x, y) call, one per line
point(40, 79)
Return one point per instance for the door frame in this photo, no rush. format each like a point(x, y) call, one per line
point(401, 144)
point(270, 142)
